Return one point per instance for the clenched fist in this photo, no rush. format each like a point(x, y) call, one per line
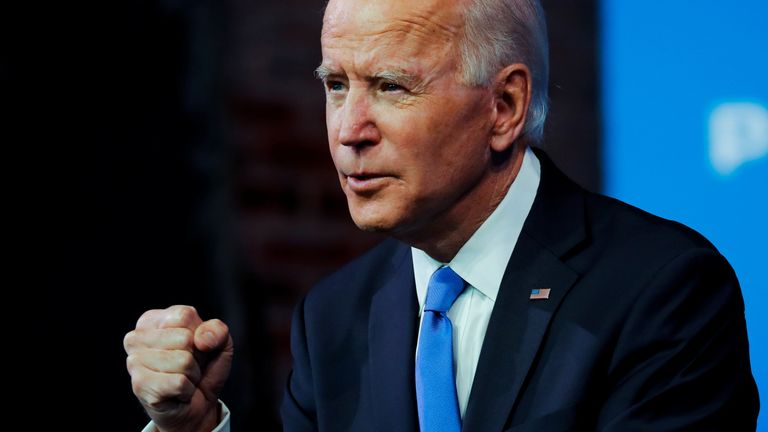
point(178, 364)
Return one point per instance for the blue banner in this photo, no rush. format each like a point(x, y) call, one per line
point(685, 126)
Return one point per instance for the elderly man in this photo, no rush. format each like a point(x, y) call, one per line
point(508, 298)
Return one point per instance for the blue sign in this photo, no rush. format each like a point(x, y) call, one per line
point(685, 115)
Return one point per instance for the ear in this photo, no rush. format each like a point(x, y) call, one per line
point(511, 99)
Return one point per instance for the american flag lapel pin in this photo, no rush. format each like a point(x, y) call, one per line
point(539, 294)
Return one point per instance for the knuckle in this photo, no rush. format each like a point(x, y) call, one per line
point(182, 309)
point(181, 315)
point(146, 317)
point(185, 338)
point(186, 361)
point(138, 339)
point(128, 341)
point(130, 363)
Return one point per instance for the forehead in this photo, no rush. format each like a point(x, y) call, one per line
point(404, 27)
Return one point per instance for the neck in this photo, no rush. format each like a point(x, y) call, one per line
point(443, 237)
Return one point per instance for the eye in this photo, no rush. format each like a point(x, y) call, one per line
point(391, 87)
point(335, 86)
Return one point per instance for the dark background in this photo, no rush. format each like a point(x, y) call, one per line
point(179, 157)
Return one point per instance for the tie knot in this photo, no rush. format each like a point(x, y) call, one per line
point(443, 289)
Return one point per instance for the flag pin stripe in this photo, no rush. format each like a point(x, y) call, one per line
point(539, 294)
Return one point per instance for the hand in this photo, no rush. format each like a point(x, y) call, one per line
point(178, 365)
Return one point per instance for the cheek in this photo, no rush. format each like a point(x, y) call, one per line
point(332, 130)
point(330, 123)
point(445, 154)
point(444, 139)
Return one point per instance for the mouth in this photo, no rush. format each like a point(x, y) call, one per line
point(366, 183)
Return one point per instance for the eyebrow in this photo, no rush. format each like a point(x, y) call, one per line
point(323, 72)
point(397, 76)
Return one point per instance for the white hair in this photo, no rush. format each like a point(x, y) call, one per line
point(498, 33)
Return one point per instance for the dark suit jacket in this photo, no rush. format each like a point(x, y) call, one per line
point(643, 331)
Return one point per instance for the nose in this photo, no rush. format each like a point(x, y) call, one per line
point(357, 125)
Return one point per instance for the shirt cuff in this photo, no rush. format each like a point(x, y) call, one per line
point(222, 427)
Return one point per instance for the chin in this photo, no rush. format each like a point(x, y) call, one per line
point(372, 219)
point(373, 225)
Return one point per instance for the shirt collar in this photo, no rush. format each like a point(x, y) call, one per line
point(484, 257)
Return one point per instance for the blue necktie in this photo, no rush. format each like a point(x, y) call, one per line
point(435, 378)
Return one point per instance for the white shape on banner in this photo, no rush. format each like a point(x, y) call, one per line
point(738, 133)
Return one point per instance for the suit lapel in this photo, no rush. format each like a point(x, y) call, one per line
point(392, 341)
point(514, 334)
point(554, 227)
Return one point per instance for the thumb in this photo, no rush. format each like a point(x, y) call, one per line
point(211, 336)
point(213, 340)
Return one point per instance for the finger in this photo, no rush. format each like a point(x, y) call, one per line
point(216, 369)
point(157, 389)
point(155, 318)
point(165, 361)
point(180, 316)
point(150, 318)
point(212, 335)
point(168, 339)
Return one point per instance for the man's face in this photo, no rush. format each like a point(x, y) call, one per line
point(408, 139)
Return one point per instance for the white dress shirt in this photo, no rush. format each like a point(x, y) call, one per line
point(222, 427)
point(481, 262)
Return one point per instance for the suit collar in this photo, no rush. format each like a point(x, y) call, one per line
point(557, 218)
point(554, 228)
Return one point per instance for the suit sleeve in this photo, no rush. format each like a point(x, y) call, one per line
point(682, 358)
point(298, 408)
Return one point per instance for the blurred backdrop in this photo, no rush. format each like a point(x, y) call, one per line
point(685, 130)
point(185, 161)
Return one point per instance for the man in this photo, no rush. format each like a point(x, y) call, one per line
point(509, 298)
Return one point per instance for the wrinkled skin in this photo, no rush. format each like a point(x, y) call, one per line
point(178, 364)
point(412, 144)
